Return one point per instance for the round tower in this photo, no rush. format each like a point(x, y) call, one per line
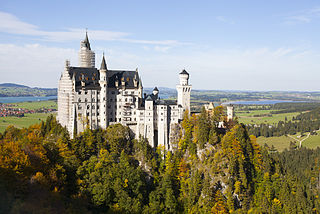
point(86, 55)
point(184, 90)
point(103, 94)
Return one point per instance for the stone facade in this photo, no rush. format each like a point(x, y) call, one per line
point(96, 98)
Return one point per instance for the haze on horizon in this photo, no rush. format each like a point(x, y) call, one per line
point(234, 45)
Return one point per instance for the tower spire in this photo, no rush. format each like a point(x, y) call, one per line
point(86, 40)
point(103, 63)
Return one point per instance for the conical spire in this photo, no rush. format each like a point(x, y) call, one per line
point(86, 41)
point(103, 64)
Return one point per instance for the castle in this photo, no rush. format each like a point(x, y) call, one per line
point(91, 97)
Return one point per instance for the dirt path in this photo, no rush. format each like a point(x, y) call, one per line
point(300, 141)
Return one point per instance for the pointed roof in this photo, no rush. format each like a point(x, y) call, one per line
point(86, 41)
point(184, 72)
point(155, 89)
point(103, 64)
point(149, 98)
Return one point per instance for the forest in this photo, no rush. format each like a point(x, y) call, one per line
point(209, 170)
point(304, 122)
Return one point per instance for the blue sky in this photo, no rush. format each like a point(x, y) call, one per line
point(227, 45)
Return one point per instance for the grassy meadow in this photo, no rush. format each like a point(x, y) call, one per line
point(28, 119)
point(263, 116)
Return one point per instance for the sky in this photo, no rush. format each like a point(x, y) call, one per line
point(251, 45)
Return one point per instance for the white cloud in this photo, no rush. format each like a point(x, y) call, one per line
point(303, 16)
point(33, 64)
point(11, 24)
point(234, 69)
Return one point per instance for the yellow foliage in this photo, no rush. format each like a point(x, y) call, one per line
point(39, 178)
point(13, 157)
point(125, 183)
point(276, 202)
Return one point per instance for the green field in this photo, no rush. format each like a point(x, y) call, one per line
point(283, 142)
point(28, 119)
point(247, 117)
point(22, 122)
point(37, 105)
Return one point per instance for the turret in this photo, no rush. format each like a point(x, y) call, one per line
point(155, 92)
point(230, 112)
point(184, 77)
point(103, 94)
point(184, 90)
point(86, 55)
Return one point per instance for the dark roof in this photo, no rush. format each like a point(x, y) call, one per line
point(90, 76)
point(184, 72)
point(128, 76)
point(103, 64)
point(149, 98)
point(166, 102)
point(155, 89)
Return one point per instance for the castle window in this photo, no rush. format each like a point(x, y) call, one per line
point(111, 100)
point(97, 106)
point(79, 100)
point(86, 100)
point(110, 119)
point(93, 92)
point(98, 92)
point(104, 99)
point(161, 119)
point(132, 92)
point(86, 92)
point(119, 119)
point(79, 107)
point(88, 113)
point(88, 107)
point(126, 92)
point(109, 106)
point(92, 99)
point(79, 92)
point(126, 99)
point(93, 107)
point(97, 113)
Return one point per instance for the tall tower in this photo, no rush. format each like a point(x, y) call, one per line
point(86, 55)
point(230, 112)
point(184, 90)
point(103, 94)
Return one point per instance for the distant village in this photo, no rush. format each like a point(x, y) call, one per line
point(7, 110)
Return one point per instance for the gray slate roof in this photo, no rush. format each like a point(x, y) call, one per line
point(91, 77)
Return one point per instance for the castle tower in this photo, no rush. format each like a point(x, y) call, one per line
point(86, 55)
point(103, 94)
point(230, 112)
point(65, 99)
point(184, 90)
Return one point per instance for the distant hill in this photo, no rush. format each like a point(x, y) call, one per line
point(17, 90)
point(12, 85)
